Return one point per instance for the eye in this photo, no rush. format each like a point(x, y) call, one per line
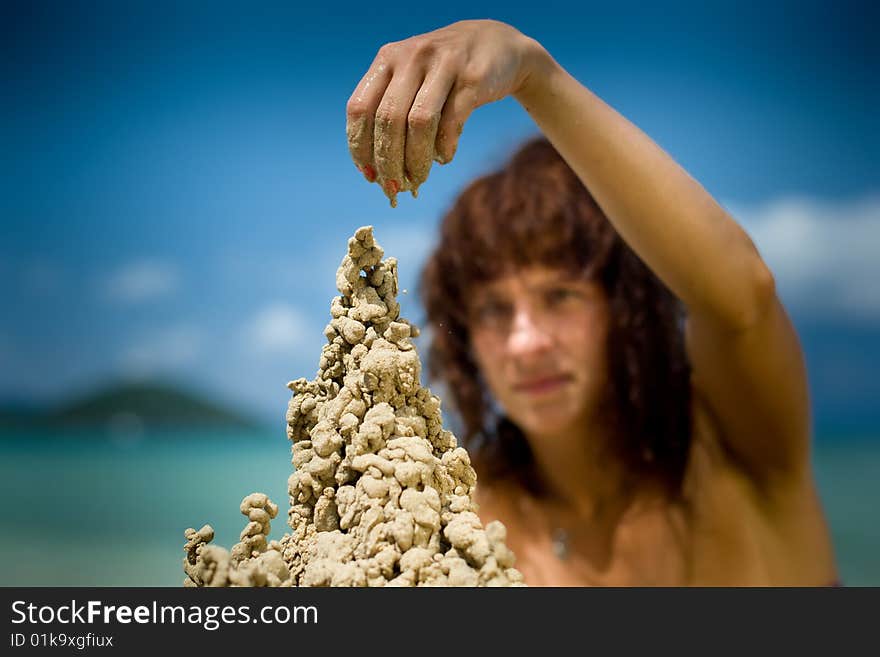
point(490, 311)
point(557, 295)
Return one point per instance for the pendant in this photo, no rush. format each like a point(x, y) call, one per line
point(560, 543)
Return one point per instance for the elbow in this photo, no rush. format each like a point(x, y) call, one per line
point(760, 296)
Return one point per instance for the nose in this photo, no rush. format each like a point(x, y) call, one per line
point(527, 336)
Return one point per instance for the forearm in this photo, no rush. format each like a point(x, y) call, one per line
point(664, 215)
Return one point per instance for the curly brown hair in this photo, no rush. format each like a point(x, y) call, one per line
point(535, 210)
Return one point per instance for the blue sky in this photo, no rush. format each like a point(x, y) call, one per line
point(177, 190)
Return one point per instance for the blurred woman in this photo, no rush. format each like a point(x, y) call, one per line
point(633, 394)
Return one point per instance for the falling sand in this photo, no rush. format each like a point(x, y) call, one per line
point(381, 494)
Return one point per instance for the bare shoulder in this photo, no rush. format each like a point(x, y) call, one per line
point(494, 499)
point(712, 475)
point(715, 482)
point(712, 464)
point(503, 500)
point(776, 534)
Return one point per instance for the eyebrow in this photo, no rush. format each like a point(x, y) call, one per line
point(494, 291)
point(554, 282)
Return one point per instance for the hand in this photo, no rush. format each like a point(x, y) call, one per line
point(410, 107)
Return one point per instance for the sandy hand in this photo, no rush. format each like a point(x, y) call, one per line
point(410, 107)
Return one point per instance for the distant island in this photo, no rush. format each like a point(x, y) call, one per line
point(129, 407)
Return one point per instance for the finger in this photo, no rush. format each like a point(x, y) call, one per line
point(360, 110)
point(461, 102)
point(422, 124)
point(389, 130)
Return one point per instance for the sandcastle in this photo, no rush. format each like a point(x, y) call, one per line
point(381, 494)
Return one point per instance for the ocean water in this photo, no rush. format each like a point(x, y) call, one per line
point(82, 512)
point(92, 512)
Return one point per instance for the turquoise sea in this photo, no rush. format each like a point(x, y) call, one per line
point(80, 511)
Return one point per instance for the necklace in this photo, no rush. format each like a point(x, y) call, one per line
point(559, 536)
point(560, 543)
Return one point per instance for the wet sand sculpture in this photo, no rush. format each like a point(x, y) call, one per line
point(381, 494)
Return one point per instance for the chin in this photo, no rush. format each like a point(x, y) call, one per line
point(545, 423)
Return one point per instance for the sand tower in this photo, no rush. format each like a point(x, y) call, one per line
point(381, 494)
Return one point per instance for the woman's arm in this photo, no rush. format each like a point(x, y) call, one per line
point(665, 215)
point(745, 354)
point(744, 351)
point(409, 109)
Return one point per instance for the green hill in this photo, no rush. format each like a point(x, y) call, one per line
point(150, 405)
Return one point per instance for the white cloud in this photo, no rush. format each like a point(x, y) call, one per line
point(142, 280)
point(825, 255)
point(165, 350)
point(279, 329)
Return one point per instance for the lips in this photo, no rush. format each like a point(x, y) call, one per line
point(544, 384)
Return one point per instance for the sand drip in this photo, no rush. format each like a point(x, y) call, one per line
point(381, 494)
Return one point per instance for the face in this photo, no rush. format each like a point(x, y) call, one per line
point(538, 337)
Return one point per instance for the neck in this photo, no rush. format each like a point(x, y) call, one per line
point(579, 469)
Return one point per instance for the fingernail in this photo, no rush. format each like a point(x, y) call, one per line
point(369, 173)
